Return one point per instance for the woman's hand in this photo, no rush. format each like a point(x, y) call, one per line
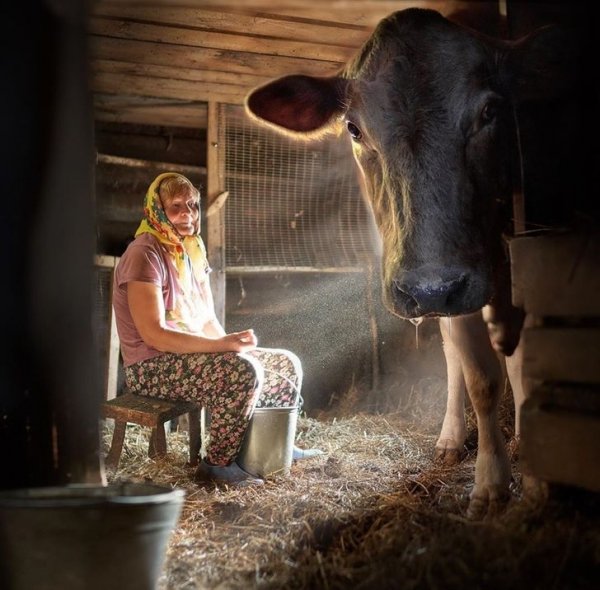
point(239, 341)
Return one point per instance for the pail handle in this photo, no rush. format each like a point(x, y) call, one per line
point(300, 399)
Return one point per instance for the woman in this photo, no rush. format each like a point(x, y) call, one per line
point(172, 344)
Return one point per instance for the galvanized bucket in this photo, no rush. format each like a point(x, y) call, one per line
point(86, 536)
point(269, 442)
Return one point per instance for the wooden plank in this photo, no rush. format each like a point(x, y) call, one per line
point(215, 224)
point(167, 88)
point(149, 111)
point(556, 275)
point(126, 101)
point(560, 446)
point(246, 23)
point(370, 12)
point(568, 397)
point(150, 164)
point(157, 146)
point(170, 117)
point(358, 12)
point(255, 270)
point(156, 71)
point(190, 37)
point(144, 52)
point(562, 354)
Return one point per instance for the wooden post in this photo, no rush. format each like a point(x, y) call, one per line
point(214, 232)
point(50, 391)
point(111, 348)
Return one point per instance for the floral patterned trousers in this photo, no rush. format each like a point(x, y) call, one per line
point(229, 384)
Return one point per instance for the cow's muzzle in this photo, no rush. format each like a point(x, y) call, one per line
point(433, 293)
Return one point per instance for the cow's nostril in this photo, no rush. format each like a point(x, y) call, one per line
point(404, 302)
point(422, 297)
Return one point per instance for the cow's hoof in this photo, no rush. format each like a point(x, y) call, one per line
point(487, 504)
point(448, 455)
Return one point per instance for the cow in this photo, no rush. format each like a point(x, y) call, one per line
point(430, 108)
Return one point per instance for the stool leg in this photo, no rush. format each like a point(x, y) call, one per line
point(116, 446)
point(195, 439)
point(158, 442)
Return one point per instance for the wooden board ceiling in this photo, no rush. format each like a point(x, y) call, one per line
point(160, 63)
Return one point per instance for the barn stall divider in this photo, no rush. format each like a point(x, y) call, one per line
point(556, 279)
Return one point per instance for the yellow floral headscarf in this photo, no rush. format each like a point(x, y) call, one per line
point(188, 253)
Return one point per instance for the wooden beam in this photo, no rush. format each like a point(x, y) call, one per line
point(137, 163)
point(563, 354)
point(158, 145)
point(367, 13)
point(560, 442)
point(245, 23)
point(215, 224)
point(274, 269)
point(556, 275)
point(170, 118)
point(101, 66)
point(223, 41)
point(167, 88)
point(150, 111)
point(172, 55)
point(355, 12)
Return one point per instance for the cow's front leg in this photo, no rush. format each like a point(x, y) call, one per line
point(483, 379)
point(451, 442)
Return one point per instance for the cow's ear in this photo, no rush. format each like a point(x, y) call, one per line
point(300, 105)
point(543, 65)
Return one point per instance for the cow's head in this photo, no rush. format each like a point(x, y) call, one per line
point(429, 107)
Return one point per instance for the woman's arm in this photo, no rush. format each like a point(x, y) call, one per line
point(148, 312)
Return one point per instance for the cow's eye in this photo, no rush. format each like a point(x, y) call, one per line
point(488, 113)
point(354, 131)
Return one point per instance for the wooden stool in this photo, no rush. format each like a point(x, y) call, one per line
point(153, 413)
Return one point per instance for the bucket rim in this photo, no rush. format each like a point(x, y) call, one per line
point(73, 495)
point(286, 409)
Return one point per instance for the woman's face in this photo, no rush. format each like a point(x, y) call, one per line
point(183, 211)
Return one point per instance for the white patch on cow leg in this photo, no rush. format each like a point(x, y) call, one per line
point(450, 444)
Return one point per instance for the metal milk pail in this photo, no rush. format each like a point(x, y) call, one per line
point(269, 442)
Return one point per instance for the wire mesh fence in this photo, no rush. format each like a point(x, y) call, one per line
point(292, 204)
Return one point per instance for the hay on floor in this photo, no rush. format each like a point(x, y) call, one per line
point(375, 511)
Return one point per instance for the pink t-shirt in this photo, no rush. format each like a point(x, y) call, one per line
point(145, 260)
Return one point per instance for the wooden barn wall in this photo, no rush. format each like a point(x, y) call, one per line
point(128, 158)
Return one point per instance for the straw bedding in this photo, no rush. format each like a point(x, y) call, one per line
point(375, 511)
